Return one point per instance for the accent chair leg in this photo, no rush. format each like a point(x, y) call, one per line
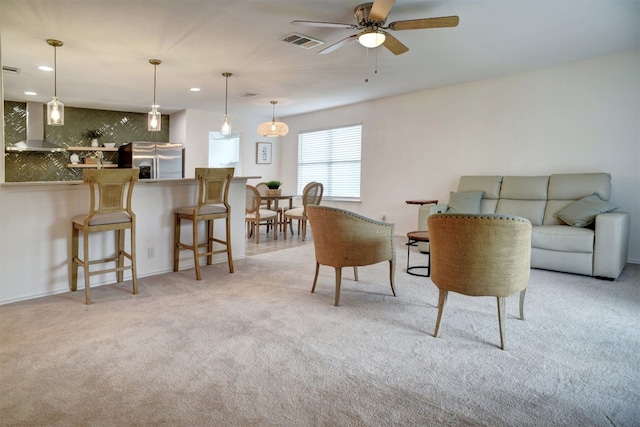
point(355, 273)
point(315, 279)
point(501, 304)
point(392, 268)
point(442, 300)
point(522, 294)
point(338, 282)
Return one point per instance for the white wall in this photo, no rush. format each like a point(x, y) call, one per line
point(579, 117)
point(191, 127)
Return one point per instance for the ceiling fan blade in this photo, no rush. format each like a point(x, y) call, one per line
point(418, 24)
point(337, 45)
point(325, 24)
point(380, 10)
point(394, 45)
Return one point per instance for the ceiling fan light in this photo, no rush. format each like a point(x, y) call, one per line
point(371, 39)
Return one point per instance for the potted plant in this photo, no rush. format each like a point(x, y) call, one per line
point(274, 188)
point(93, 135)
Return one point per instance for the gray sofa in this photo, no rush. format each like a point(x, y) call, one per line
point(551, 203)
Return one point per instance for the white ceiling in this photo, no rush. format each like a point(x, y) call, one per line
point(107, 45)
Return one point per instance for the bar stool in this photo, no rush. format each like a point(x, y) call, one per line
point(212, 204)
point(413, 238)
point(113, 213)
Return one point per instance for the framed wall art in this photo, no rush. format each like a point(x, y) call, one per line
point(263, 153)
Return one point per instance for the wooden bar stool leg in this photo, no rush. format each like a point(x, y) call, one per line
point(210, 241)
point(74, 258)
point(85, 261)
point(196, 250)
point(176, 244)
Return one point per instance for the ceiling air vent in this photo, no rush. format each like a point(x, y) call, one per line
point(246, 95)
point(12, 70)
point(305, 42)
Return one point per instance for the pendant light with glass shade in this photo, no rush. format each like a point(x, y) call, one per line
point(154, 118)
point(226, 125)
point(55, 108)
point(273, 128)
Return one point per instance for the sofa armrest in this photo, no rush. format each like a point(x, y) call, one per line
point(611, 244)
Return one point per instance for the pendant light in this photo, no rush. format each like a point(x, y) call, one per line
point(273, 128)
point(154, 119)
point(226, 126)
point(55, 108)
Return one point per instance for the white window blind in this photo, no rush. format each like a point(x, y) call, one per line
point(332, 157)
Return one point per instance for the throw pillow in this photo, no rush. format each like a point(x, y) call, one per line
point(467, 202)
point(583, 212)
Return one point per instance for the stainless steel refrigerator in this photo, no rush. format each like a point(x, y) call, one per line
point(156, 160)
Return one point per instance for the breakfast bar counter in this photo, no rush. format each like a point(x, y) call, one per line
point(35, 231)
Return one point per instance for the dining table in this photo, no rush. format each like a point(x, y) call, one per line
point(275, 198)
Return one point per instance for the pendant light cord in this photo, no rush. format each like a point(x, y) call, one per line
point(155, 69)
point(226, 93)
point(55, 71)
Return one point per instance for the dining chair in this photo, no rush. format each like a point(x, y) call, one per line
point(110, 194)
point(212, 203)
point(255, 215)
point(311, 195)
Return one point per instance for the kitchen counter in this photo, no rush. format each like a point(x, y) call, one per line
point(35, 229)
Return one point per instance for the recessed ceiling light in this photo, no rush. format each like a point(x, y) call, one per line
point(195, 89)
point(45, 68)
point(30, 93)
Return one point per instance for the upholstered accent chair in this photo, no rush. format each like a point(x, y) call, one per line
point(346, 239)
point(255, 215)
point(212, 203)
point(311, 195)
point(110, 192)
point(480, 255)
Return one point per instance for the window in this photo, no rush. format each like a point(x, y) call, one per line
point(224, 151)
point(332, 157)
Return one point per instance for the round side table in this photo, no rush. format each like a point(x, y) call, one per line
point(413, 238)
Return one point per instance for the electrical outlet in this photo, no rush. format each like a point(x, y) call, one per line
point(151, 253)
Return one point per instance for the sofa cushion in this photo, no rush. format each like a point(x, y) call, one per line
point(524, 196)
point(574, 186)
point(583, 212)
point(489, 184)
point(562, 238)
point(466, 202)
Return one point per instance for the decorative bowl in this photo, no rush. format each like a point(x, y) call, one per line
point(109, 144)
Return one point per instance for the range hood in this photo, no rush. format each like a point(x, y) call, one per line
point(35, 141)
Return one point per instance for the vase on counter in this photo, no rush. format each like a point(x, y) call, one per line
point(94, 142)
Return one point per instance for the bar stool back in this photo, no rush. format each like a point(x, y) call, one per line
point(212, 204)
point(112, 189)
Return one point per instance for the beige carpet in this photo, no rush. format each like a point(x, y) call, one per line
point(256, 348)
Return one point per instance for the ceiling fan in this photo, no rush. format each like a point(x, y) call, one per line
point(371, 18)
